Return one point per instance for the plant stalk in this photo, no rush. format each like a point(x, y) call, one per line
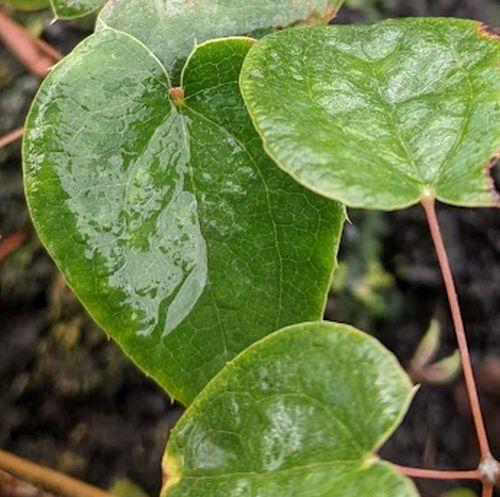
point(11, 137)
point(487, 491)
point(22, 45)
point(429, 205)
point(11, 244)
point(431, 474)
point(47, 478)
point(37, 56)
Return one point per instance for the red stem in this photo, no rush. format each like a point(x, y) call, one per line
point(11, 244)
point(429, 205)
point(47, 49)
point(47, 478)
point(487, 491)
point(36, 55)
point(431, 474)
point(11, 137)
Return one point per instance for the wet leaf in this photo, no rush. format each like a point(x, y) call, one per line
point(68, 9)
point(171, 29)
point(382, 115)
point(166, 217)
point(299, 414)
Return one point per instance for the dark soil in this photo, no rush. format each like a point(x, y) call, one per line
point(70, 399)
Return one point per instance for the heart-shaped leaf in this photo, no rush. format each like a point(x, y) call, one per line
point(68, 9)
point(171, 29)
point(300, 413)
point(384, 115)
point(179, 235)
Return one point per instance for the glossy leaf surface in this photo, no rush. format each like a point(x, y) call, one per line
point(299, 414)
point(67, 9)
point(179, 235)
point(380, 116)
point(171, 29)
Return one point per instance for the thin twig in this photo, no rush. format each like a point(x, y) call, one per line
point(13, 487)
point(431, 474)
point(49, 50)
point(48, 478)
point(429, 205)
point(35, 55)
point(487, 491)
point(11, 244)
point(11, 137)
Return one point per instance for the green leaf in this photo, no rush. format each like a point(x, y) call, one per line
point(126, 488)
point(428, 346)
point(460, 492)
point(64, 9)
point(173, 227)
point(171, 29)
point(383, 115)
point(26, 4)
point(68, 9)
point(298, 414)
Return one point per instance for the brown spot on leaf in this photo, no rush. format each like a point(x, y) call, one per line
point(488, 32)
point(489, 179)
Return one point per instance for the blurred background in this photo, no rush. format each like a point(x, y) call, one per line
point(70, 399)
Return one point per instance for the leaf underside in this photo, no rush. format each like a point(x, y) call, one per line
point(383, 115)
point(299, 414)
point(171, 29)
point(172, 226)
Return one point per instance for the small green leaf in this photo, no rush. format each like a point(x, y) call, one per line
point(126, 488)
point(428, 346)
point(383, 115)
point(68, 9)
point(171, 29)
point(26, 4)
point(421, 367)
point(445, 370)
point(165, 215)
point(460, 492)
point(298, 414)
point(64, 9)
